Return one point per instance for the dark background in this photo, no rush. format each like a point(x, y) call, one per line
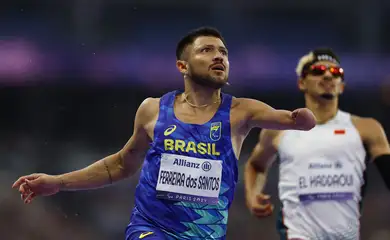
point(72, 74)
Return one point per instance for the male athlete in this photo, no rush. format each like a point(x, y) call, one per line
point(192, 140)
point(321, 171)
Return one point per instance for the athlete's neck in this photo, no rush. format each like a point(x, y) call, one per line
point(200, 95)
point(323, 109)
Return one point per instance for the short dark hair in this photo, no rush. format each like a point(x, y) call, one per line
point(193, 35)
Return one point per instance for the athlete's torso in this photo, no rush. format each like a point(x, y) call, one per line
point(189, 174)
point(321, 174)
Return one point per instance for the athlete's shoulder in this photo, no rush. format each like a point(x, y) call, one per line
point(237, 104)
point(150, 103)
point(248, 105)
point(367, 126)
point(242, 108)
point(365, 122)
point(244, 102)
point(372, 134)
point(149, 108)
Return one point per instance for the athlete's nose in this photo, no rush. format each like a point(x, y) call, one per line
point(218, 58)
point(328, 75)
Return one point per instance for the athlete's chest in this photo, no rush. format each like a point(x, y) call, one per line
point(204, 140)
point(321, 142)
point(191, 160)
point(195, 116)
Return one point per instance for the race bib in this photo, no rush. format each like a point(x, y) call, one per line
point(326, 184)
point(189, 179)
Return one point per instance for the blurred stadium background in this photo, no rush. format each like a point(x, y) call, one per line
point(72, 74)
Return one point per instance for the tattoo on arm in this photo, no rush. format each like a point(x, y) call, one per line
point(108, 171)
point(62, 184)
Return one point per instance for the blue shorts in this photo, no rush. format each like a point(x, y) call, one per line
point(140, 228)
point(136, 233)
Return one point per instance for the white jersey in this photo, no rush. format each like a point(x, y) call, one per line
point(320, 180)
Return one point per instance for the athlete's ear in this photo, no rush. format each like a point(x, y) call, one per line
point(181, 66)
point(342, 87)
point(301, 84)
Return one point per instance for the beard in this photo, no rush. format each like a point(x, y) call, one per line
point(207, 81)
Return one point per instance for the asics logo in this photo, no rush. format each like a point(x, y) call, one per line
point(169, 130)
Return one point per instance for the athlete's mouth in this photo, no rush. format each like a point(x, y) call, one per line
point(217, 67)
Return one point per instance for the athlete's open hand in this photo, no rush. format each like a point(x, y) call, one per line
point(261, 205)
point(304, 118)
point(37, 184)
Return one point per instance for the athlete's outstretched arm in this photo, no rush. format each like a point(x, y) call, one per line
point(110, 169)
point(256, 173)
point(119, 165)
point(264, 116)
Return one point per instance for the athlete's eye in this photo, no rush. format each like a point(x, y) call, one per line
point(224, 52)
point(207, 49)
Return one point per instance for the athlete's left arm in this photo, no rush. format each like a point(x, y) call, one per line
point(378, 146)
point(264, 116)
